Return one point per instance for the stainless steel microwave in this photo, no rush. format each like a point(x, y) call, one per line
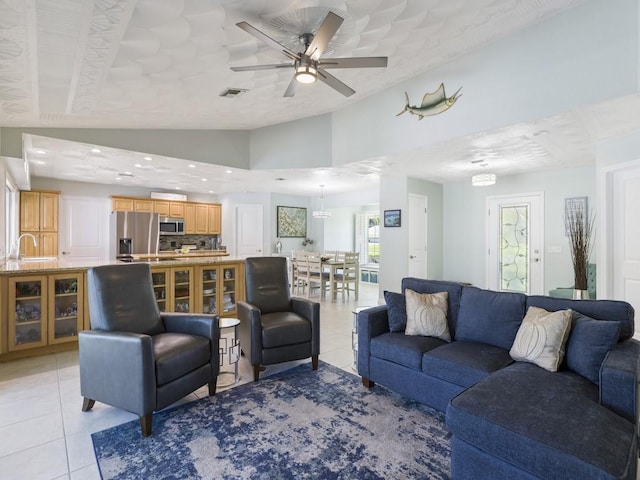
point(171, 226)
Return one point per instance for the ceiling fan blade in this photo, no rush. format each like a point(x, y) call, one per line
point(323, 36)
point(355, 62)
point(251, 68)
point(334, 83)
point(268, 40)
point(291, 89)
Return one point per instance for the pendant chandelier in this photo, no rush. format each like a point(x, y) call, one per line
point(483, 179)
point(322, 213)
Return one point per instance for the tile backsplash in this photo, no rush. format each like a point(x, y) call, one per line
point(171, 242)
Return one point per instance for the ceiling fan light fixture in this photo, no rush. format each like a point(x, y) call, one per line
point(483, 179)
point(306, 73)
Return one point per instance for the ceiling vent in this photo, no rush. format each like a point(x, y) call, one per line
point(233, 92)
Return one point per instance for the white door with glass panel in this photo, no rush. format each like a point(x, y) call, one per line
point(515, 233)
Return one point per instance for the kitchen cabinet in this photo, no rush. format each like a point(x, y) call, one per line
point(160, 278)
point(120, 204)
point(27, 312)
point(219, 289)
point(214, 221)
point(39, 217)
point(182, 282)
point(176, 209)
point(66, 306)
point(140, 205)
point(190, 218)
point(201, 218)
point(161, 207)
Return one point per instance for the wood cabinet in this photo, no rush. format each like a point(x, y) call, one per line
point(214, 221)
point(199, 218)
point(219, 289)
point(45, 309)
point(39, 217)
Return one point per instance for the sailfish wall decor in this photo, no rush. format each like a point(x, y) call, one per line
point(432, 103)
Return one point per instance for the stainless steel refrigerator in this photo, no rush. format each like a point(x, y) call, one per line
point(133, 233)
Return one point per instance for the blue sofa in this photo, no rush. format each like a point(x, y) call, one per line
point(515, 420)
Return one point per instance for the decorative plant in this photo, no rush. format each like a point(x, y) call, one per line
point(579, 229)
point(307, 241)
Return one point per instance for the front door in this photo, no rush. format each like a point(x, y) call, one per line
point(249, 235)
point(515, 238)
point(84, 228)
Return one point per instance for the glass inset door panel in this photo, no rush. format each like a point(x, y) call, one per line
point(209, 290)
point(514, 248)
point(27, 314)
point(160, 289)
point(229, 290)
point(66, 307)
point(181, 290)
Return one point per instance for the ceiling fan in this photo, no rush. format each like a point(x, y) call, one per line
point(307, 64)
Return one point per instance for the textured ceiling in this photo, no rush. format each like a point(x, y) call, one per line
point(163, 64)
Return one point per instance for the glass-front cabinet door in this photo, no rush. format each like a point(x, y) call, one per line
point(229, 290)
point(182, 289)
point(160, 279)
point(27, 312)
point(208, 297)
point(66, 297)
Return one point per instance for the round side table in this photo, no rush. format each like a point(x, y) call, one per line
point(229, 350)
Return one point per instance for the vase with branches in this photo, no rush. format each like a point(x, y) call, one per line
point(579, 229)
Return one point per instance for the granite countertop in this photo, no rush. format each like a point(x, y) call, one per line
point(170, 260)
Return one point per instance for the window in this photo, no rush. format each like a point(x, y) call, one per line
point(368, 237)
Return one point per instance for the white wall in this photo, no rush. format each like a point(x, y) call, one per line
point(394, 245)
point(465, 218)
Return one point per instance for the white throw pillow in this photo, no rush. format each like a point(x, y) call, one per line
point(541, 338)
point(427, 314)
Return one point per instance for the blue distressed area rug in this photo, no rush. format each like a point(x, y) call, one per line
point(298, 424)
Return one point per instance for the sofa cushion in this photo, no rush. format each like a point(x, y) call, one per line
point(403, 349)
point(427, 314)
point(464, 363)
point(284, 328)
point(548, 424)
point(589, 342)
point(454, 290)
point(541, 338)
point(177, 354)
point(609, 310)
point(490, 317)
point(396, 311)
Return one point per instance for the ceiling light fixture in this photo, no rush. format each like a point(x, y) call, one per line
point(41, 152)
point(148, 159)
point(322, 213)
point(483, 179)
point(95, 150)
point(306, 72)
point(191, 165)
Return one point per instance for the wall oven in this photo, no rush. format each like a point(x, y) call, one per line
point(171, 226)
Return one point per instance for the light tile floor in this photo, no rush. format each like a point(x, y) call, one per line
point(44, 435)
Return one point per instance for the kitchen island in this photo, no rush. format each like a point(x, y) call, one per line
point(43, 304)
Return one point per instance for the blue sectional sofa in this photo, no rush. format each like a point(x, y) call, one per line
point(510, 419)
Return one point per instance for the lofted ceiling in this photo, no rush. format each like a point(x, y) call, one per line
point(152, 64)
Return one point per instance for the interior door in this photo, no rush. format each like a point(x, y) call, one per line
point(515, 235)
point(417, 236)
point(249, 234)
point(626, 231)
point(84, 228)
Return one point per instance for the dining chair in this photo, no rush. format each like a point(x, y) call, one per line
point(316, 276)
point(347, 274)
point(299, 269)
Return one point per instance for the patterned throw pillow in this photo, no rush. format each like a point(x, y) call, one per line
point(427, 314)
point(541, 338)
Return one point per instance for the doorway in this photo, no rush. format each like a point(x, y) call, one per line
point(515, 233)
point(84, 228)
point(620, 233)
point(249, 233)
point(417, 266)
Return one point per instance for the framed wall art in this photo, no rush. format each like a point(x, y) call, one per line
point(392, 218)
point(292, 222)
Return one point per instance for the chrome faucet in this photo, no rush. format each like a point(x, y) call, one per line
point(15, 249)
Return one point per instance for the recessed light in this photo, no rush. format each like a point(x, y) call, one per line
point(118, 178)
point(229, 171)
point(177, 188)
point(211, 191)
point(40, 162)
point(148, 159)
point(41, 152)
point(203, 179)
point(138, 165)
point(321, 172)
point(95, 150)
point(191, 165)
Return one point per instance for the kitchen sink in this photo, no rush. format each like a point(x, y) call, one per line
point(38, 259)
